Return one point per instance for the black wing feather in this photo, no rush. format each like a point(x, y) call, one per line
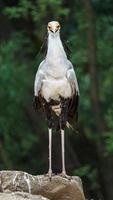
point(73, 107)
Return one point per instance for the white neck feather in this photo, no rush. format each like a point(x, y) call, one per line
point(55, 47)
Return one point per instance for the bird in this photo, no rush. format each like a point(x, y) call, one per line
point(56, 89)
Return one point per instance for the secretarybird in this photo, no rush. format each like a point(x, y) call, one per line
point(56, 89)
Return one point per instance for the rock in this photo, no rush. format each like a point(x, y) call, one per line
point(21, 185)
point(20, 196)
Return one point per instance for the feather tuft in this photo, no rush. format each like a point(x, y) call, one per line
point(68, 125)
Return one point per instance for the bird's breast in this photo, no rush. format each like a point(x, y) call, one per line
point(55, 88)
point(56, 69)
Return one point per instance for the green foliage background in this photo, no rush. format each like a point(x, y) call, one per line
point(23, 137)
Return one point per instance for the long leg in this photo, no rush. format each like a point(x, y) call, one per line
point(49, 122)
point(50, 153)
point(63, 120)
point(63, 153)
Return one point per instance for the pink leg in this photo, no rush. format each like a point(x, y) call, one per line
point(50, 153)
point(63, 153)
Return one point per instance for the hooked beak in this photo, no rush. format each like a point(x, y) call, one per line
point(53, 27)
point(54, 30)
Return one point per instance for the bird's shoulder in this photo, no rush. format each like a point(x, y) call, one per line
point(41, 65)
point(71, 76)
point(40, 70)
point(70, 65)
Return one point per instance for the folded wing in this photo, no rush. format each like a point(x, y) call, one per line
point(74, 100)
point(37, 86)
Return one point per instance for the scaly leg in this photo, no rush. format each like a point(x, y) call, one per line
point(50, 153)
point(63, 153)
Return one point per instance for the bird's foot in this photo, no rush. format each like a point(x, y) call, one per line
point(50, 174)
point(64, 175)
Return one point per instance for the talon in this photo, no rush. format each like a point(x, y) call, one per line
point(50, 174)
point(64, 175)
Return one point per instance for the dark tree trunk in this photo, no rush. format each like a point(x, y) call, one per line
point(105, 162)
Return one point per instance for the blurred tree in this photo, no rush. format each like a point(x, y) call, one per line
point(105, 161)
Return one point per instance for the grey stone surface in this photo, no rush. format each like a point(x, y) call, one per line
point(20, 196)
point(19, 185)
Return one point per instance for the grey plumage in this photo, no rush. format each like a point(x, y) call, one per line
point(55, 73)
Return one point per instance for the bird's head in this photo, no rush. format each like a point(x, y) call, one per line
point(53, 27)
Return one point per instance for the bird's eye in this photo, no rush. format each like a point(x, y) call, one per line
point(49, 27)
point(58, 26)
